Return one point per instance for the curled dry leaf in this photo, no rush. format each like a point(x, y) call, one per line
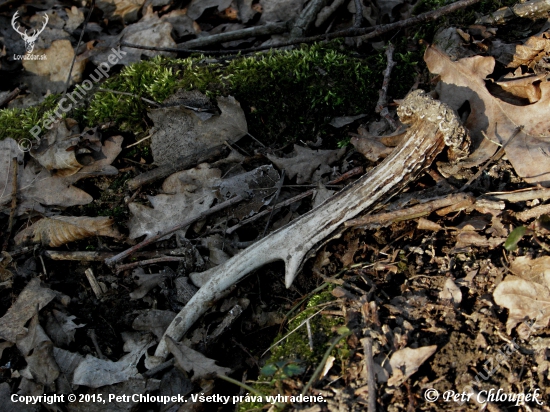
point(37, 348)
point(406, 361)
point(256, 185)
point(525, 300)
point(58, 230)
point(188, 194)
point(189, 360)
point(32, 297)
point(307, 164)
point(527, 54)
point(61, 328)
point(94, 372)
point(451, 292)
point(56, 151)
point(153, 320)
point(145, 282)
point(464, 81)
point(36, 186)
point(534, 270)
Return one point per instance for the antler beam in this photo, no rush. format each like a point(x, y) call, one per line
point(433, 125)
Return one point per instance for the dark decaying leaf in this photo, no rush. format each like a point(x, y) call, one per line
point(189, 360)
point(33, 297)
point(307, 165)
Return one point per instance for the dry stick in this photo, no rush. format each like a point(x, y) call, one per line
point(306, 18)
point(534, 212)
point(160, 368)
point(495, 157)
point(12, 96)
point(13, 203)
point(275, 198)
point(382, 105)
point(92, 256)
point(358, 14)
point(367, 33)
point(411, 212)
point(181, 163)
point(371, 383)
point(520, 196)
point(268, 29)
point(93, 338)
point(93, 283)
point(324, 361)
point(186, 223)
point(353, 172)
point(141, 263)
point(324, 14)
point(77, 46)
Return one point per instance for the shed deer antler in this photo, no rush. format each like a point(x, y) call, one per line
point(433, 125)
point(29, 40)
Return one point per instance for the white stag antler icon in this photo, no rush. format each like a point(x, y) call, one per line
point(29, 40)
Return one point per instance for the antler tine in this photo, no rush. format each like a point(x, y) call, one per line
point(15, 16)
point(35, 32)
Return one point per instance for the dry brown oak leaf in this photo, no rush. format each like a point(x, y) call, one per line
point(306, 164)
point(58, 230)
point(36, 187)
point(464, 81)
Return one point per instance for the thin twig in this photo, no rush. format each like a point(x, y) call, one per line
point(131, 95)
point(275, 198)
point(268, 29)
point(93, 256)
point(12, 96)
point(366, 33)
point(413, 212)
point(160, 368)
point(358, 19)
point(347, 175)
point(181, 163)
point(520, 195)
point(139, 141)
point(382, 105)
point(92, 6)
point(185, 223)
point(306, 18)
point(292, 331)
point(93, 283)
point(13, 203)
point(324, 360)
point(93, 338)
point(371, 383)
point(328, 11)
point(309, 335)
point(250, 389)
point(141, 263)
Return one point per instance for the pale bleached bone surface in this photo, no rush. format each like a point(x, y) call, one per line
point(433, 124)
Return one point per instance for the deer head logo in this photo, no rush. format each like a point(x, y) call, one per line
point(28, 39)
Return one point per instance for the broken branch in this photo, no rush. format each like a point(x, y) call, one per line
point(366, 33)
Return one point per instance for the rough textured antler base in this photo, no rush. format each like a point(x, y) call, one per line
point(433, 125)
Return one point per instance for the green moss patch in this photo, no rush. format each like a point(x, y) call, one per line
point(292, 357)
